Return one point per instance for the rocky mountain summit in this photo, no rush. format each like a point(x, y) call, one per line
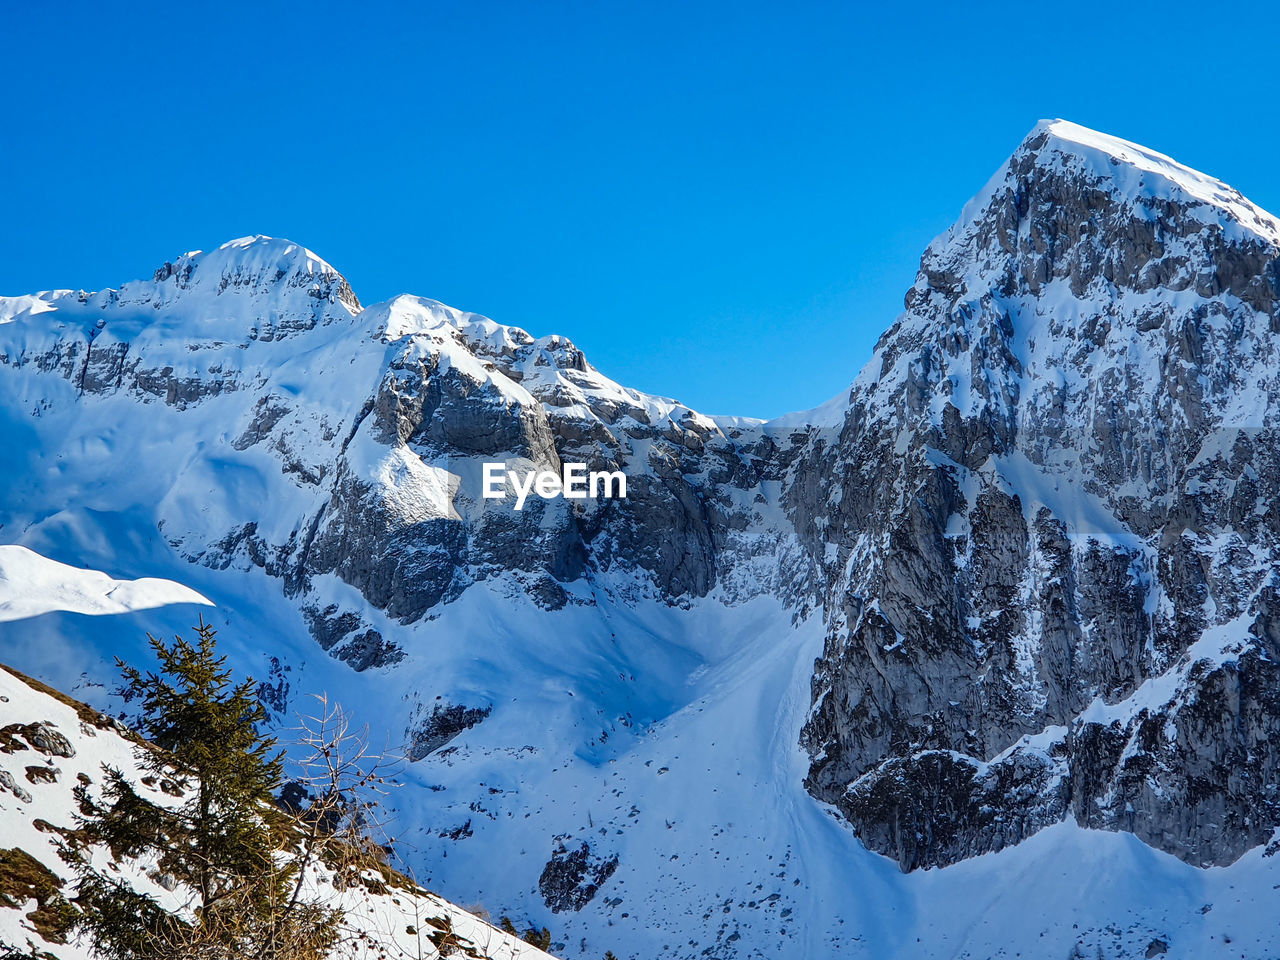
point(1053, 589)
point(1037, 535)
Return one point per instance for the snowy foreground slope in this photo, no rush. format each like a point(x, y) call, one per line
point(1032, 552)
point(53, 741)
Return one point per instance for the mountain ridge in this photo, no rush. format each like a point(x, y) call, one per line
point(1030, 550)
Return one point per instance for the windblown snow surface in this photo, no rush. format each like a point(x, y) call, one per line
point(31, 585)
point(662, 735)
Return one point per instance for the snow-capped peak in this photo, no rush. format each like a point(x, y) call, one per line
point(258, 252)
point(254, 265)
point(1121, 168)
point(1157, 174)
point(259, 288)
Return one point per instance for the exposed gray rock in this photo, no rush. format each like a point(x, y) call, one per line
point(572, 877)
point(347, 637)
point(7, 782)
point(445, 722)
point(44, 738)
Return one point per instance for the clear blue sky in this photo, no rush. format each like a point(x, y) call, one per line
point(722, 202)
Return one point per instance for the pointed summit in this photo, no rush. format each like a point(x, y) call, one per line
point(1132, 174)
point(1141, 172)
point(1106, 216)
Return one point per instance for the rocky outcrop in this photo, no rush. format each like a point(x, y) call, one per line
point(573, 876)
point(445, 722)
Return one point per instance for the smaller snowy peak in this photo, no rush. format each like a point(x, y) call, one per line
point(427, 331)
point(259, 288)
point(408, 316)
point(255, 265)
point(551, 369)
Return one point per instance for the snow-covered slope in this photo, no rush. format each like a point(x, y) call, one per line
point(31, 585)
point(1031, 550)
point(51, 743)
point(709, 802)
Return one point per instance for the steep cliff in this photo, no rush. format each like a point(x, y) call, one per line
point(1053, 588)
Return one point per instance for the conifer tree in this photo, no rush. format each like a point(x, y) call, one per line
point(218, 841)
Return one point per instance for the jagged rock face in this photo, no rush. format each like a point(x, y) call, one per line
point(573, 876)
point(1053, 497)
point(460, 390)
point(444, 723)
